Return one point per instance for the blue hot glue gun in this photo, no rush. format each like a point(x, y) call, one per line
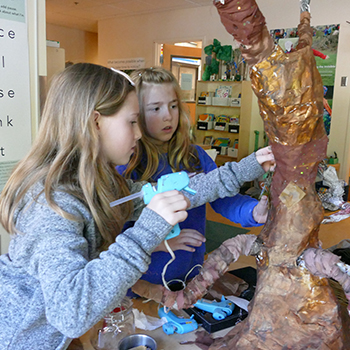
point(177, 324)
point(219, 309)
point(175, 181)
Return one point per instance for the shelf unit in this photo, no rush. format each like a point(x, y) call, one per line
point(244, 111)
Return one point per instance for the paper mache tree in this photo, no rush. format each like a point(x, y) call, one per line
point(294, 306)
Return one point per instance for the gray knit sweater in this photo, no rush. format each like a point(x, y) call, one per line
point(54, 285)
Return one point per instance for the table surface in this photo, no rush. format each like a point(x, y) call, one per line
point(172, 342)
point(329, 235)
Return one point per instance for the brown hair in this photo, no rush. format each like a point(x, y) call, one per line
point(66, 153)
point(181, 152)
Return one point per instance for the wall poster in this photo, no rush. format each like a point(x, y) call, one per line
point(15, 109)
point(126, 64)
point(15, 113)
point(325, 46)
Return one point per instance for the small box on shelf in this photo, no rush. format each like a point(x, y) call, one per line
point(204, 125)
point(233, 128)
point(222, 150)
point(204, 100)
point(232, 152)
point(220, 101)
point(222, 126)
point(235, 102)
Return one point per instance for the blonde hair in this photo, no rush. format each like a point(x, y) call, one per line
point(181, 152)
point(66, 153)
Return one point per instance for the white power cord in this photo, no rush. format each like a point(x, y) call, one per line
point(165, 283)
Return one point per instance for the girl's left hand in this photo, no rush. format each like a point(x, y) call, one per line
point(186, 240)
point(260, 210)
point(265, 158)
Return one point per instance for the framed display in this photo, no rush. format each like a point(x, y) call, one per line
point(208, 140)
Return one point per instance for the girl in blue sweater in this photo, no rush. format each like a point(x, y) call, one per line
point(166, 147)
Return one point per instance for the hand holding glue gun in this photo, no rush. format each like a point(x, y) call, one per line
point(167, 202)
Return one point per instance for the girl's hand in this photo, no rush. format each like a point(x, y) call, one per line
point(265, 158)
point(260, 210)
point(171, 206)
point(187, 237)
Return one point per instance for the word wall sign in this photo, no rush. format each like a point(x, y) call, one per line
point(15, 112)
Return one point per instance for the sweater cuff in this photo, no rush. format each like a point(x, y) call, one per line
point(149, 230)
point(255, 169)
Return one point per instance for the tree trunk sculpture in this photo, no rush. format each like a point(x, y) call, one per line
point(291, 309)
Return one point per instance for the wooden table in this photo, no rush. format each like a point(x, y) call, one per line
point(329, 235)
point(169, 342)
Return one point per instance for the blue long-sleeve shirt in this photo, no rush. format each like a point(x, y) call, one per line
point(238, 209)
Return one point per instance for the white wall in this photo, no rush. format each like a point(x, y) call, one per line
point(79, 45)
point(135, 36)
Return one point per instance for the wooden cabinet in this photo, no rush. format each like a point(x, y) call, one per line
point(244, 111)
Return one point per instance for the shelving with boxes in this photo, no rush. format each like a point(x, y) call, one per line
point(224, 117)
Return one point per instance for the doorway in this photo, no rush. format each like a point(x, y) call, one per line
point(181, 58)
point(186, 70)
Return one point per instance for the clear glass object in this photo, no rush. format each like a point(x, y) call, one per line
point(116, 325)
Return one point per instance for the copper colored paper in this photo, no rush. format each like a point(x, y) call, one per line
point(292, 309)
point(246, 23)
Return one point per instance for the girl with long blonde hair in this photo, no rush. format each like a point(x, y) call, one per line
point(167, 146)
point(179, 147)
